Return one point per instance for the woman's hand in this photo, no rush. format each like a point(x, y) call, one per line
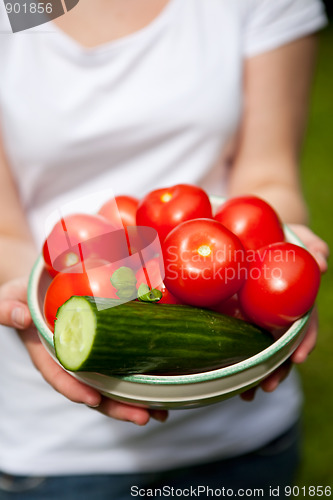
point(15, 313)
point(315, 245)
point(320, 251)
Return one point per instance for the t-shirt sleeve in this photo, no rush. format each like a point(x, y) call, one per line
point(271, 23)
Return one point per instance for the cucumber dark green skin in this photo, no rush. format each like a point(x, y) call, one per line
point(138, 337)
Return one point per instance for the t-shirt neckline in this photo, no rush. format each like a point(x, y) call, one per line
point(67, 42)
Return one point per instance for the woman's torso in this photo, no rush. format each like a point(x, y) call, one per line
point(155, 107)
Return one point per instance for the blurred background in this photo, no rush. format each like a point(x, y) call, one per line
point(317, 174)
point(329, 7)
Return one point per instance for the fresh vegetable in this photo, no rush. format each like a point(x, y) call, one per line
point(204, 262)
point(281, 286)
point(236, 264)
point(147, 338)
point(120, 210)
point(63, 247)
point(146, 294)
point(151, 276)
point(164, 209)
point(252, 219)
point(168, 297)
point(94, 281)
point(231, 307)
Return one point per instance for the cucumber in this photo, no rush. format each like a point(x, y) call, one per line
point(138, 337)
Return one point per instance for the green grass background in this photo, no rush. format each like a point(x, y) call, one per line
point(317, 372)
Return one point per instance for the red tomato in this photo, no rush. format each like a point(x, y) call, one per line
point(152, 276)
point(123, 206)
point(230, 307)
point(143, 240)
point(121, 212)
point(167, 297)
point(164, 209)
point(94, 282)
point(282, 284)
point(61, 249)
point(253, 220)
point(204, 262)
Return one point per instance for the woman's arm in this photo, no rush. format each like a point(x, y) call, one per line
point(17, 249)
point(277, 87)
point(18, 253)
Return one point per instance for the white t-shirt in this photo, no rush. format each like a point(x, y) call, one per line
point(155, 108)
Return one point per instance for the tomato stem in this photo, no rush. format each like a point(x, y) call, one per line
point(145, 294)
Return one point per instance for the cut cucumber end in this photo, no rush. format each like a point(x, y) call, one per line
point(74, 333)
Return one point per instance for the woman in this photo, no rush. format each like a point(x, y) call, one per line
point(137, 95)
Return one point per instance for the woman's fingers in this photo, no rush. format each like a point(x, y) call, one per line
point(129, 413)
point(14, 314)
point(308, 343)
point(316, 246)
point(299, 356)
point(160, 415)
point(55, 375)
point(272, 381)
point(249, 395)
point(122, 411)
point(15, 290)
point(77, 391)
point(14, 311)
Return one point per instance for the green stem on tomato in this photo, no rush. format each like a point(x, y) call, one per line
point(145, 294)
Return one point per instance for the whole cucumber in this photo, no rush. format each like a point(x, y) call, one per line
point(97, 335)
